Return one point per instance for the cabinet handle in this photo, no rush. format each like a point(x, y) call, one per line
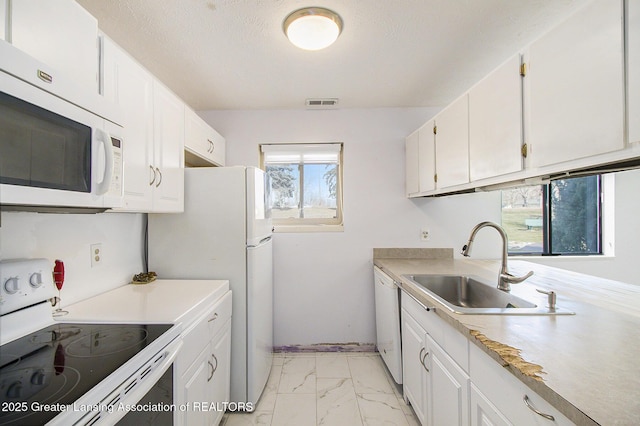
point(154, 175)
point(532, 408)
point(211, 146)
point(212, 371)
point(159, 180)
point(216, 367)
point(215, 317)
point(422, 357)
point(426, 354)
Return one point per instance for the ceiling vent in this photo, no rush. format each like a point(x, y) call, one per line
point(322, 103)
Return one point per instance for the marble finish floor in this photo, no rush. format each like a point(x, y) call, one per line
point(332, 389)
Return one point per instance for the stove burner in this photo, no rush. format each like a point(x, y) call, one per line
point(107, 341)
point(27, 381)
point(58, 334)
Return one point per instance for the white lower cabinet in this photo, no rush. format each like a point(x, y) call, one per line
point(203, 367)
point(449, 381)
point(413, 370)
point(448, 388)
point(508, 396)
point(434, 384)
point(483, 412)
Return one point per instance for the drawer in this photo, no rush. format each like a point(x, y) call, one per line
point(199, 333)
point(507, 393)
point(450, 339)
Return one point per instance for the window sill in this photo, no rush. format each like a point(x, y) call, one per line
point(307, 228)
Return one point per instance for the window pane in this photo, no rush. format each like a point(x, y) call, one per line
point(285, 190)
point(320, 191)
point(522, 218)
point(575, 223)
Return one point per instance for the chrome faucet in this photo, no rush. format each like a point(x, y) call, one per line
point(505, 278)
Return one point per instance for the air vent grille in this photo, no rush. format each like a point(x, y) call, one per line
point(322, 103)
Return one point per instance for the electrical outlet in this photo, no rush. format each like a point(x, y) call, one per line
point(425, 234)
point(96, 254)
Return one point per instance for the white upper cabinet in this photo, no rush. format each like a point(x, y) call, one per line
point(130, 86)
point(427, 157)
point(633, 70)
point(59, 33)
point(495, 123)
point(203, 145)
point(153, 146)
point(412, 164)
point(574, 87)
point(452, 144)
point(168, 156)
point(420, 160)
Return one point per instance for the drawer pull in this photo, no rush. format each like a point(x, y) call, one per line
point(215, 317)
point(532, 408)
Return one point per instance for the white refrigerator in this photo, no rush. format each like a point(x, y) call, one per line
point(225, 233)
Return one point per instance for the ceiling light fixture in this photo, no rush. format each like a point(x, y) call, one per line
point(312, 28)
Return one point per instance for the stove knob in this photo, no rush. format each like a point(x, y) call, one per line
point(35, 279)
point(12, 285)
point(39, 378)
point(15, 390)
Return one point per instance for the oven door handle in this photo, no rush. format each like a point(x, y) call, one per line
point(134, 394)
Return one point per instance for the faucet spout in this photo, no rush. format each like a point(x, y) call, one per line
point(504, 278)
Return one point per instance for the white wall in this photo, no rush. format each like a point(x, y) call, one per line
point(324, 281)
point(67, 237)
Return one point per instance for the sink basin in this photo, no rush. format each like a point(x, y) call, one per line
point(468, 295)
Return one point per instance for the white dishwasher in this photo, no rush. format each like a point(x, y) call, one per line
point(388, 322)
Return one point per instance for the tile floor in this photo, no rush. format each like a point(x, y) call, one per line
point(331, 389)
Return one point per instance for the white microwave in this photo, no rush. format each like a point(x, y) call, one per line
point(60, 146)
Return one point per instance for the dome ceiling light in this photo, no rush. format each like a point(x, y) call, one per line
point(312, 28)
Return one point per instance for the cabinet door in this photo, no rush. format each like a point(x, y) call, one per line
point(168, 133)
point(448, 388)
point(411, 164)
point(427, 157)
point(495, 123)
point(633, 70)
point(575, 87)
point(452, 144)
point(413, 371)
point(221, 359)
point(219, 147)
point(59, 33)
point(3, 19)
point(483, 412)
point(203, 145)
point(197, 389)
point(130, 86)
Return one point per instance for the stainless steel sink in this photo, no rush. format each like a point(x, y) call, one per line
point(468, 295)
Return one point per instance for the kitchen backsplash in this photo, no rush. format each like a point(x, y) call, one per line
point(69, 237)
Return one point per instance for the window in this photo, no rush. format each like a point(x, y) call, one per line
point(563, 217)
point(306, 185)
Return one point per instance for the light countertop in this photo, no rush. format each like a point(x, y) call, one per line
point(589, 360)
point(161, 301)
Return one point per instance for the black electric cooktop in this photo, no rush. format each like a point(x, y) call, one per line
point(60, 363)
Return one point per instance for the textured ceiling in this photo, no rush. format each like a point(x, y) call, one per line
point(232, 54)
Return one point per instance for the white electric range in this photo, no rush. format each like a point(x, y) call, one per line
point(81, 373)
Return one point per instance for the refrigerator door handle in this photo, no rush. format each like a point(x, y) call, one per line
point(264, 240)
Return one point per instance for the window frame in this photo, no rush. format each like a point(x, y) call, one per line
point(309, 224)
point(606, 226)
